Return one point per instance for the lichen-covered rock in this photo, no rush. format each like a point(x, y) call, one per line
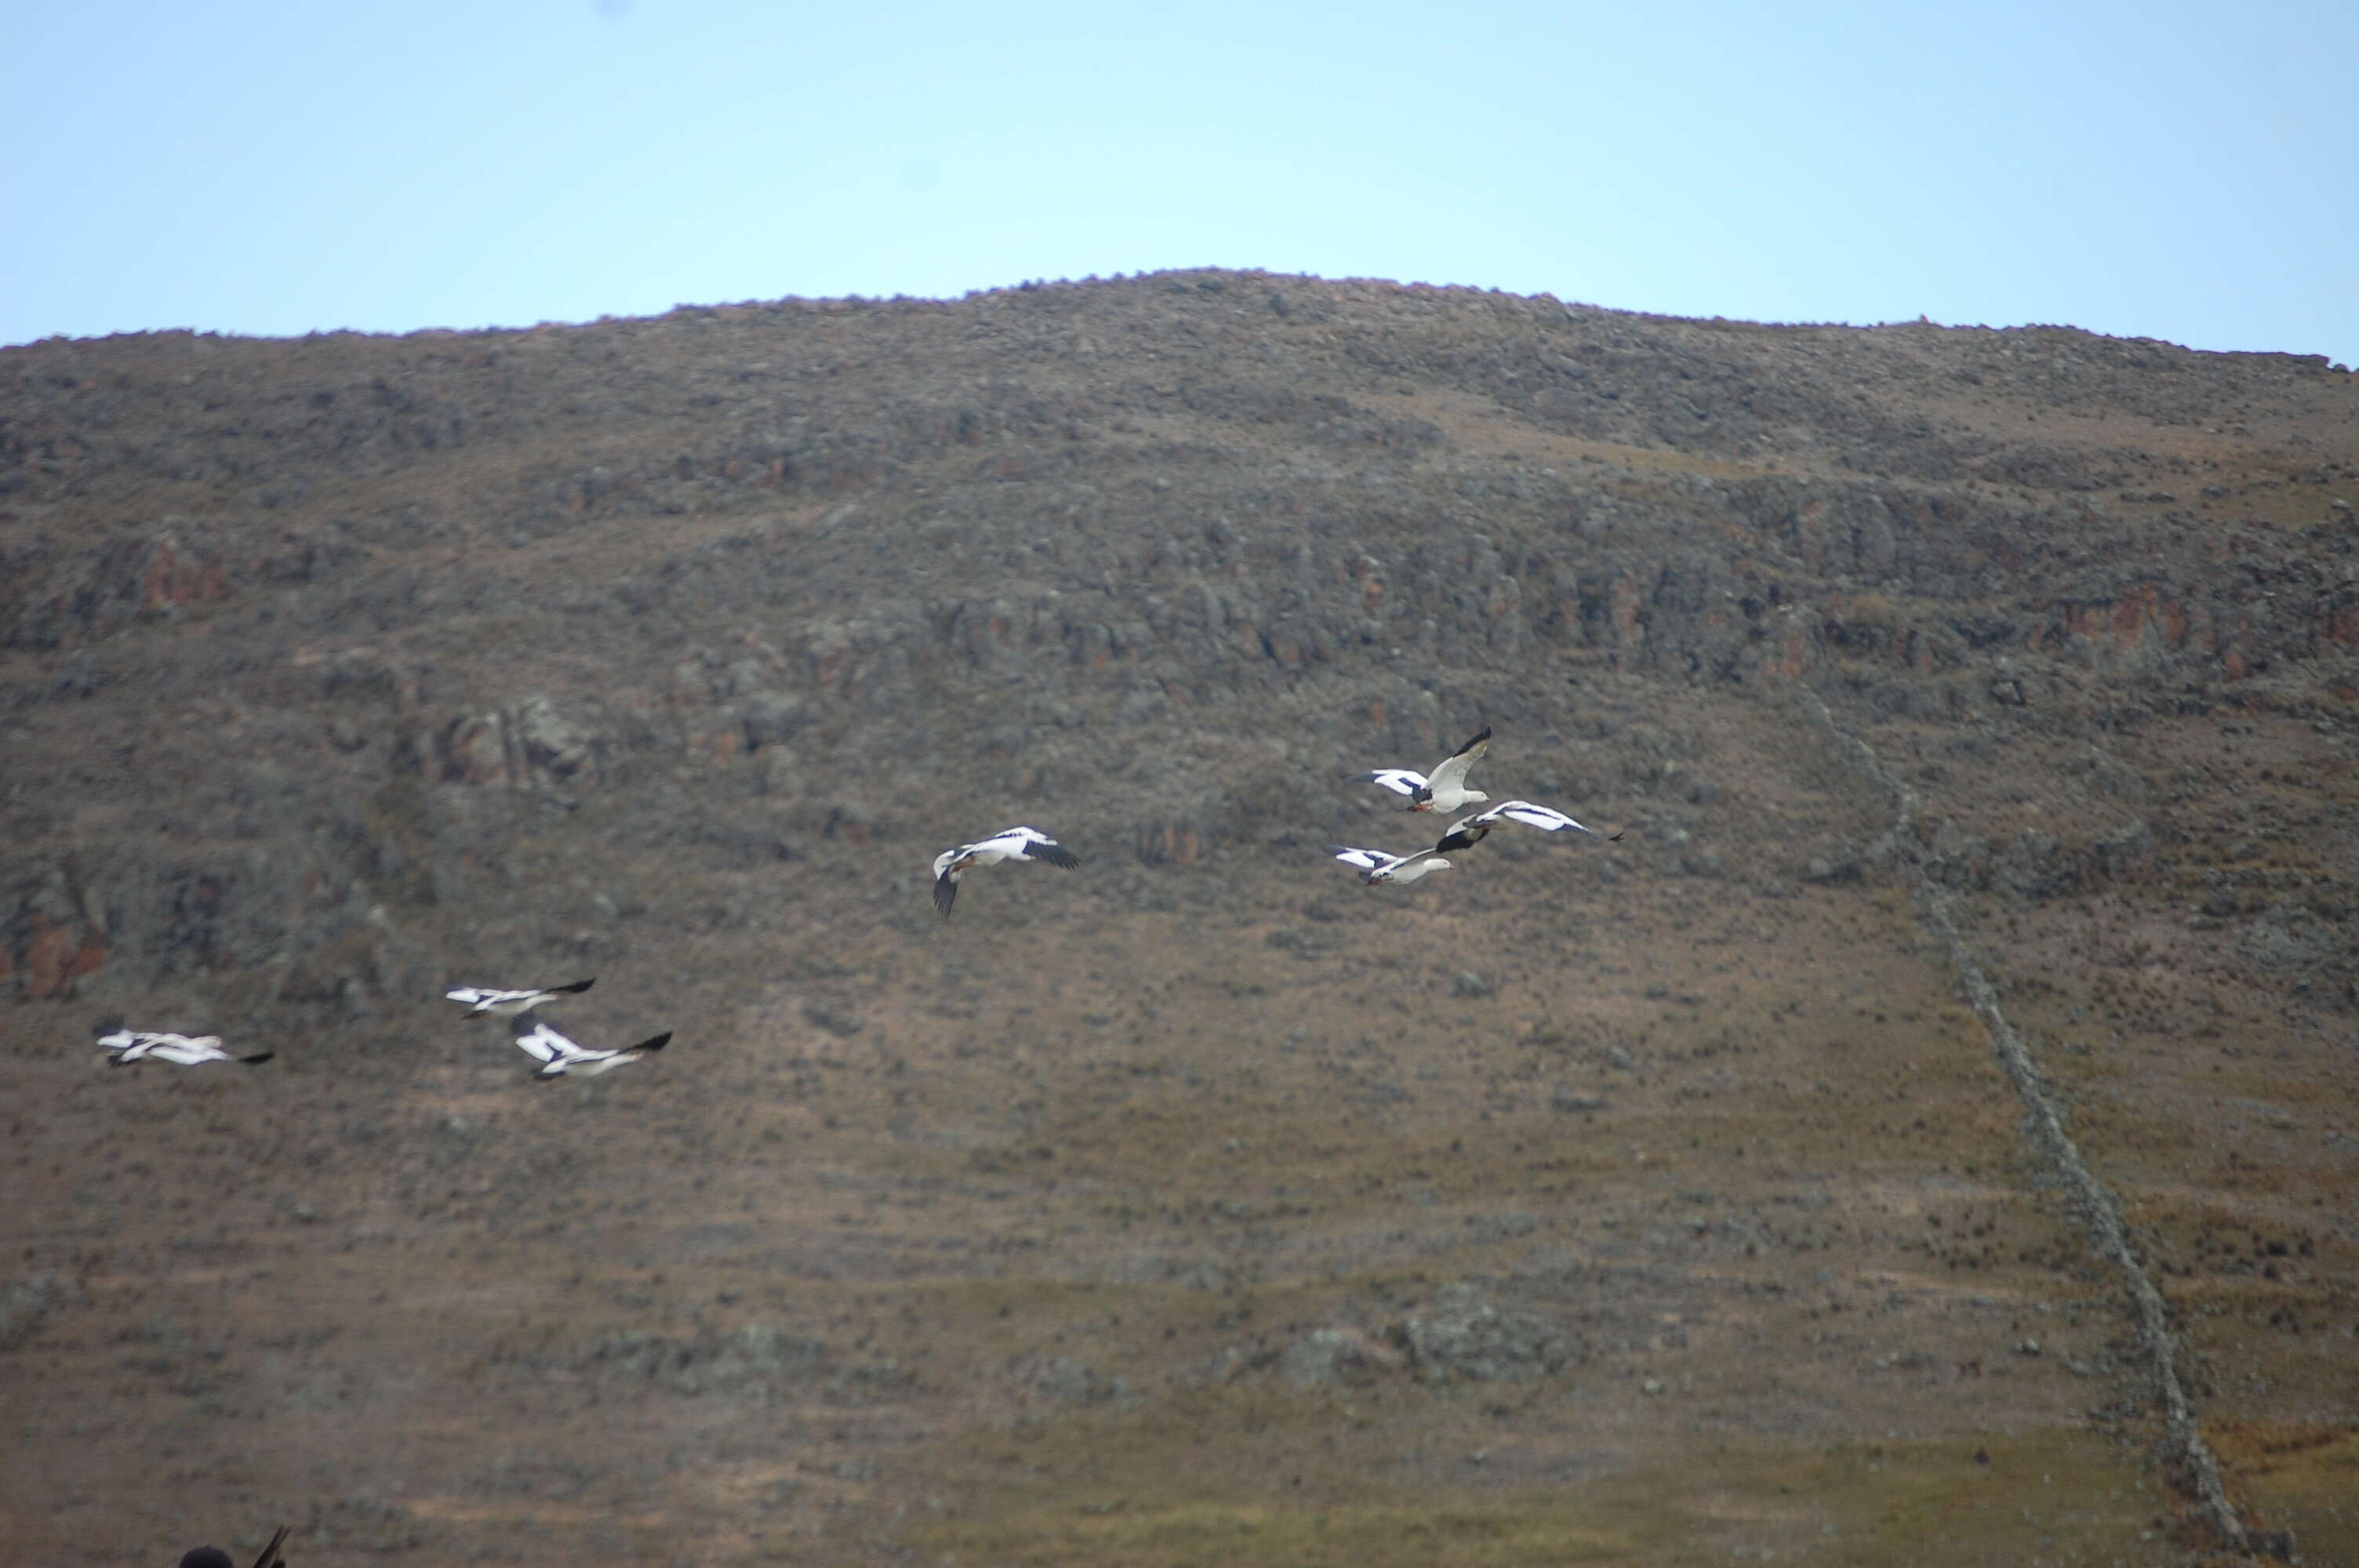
point(753, 1359)
point(1337, 1355)
point(1462, 1334)
point(1069, 1381)
point(24, 1305)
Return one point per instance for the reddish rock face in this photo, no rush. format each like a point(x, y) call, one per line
point(514, 746)
point(472, 752)
point(173, 579)
point(1169, 843)
point(55, 957)
point(107, 587)
point(2140, 619)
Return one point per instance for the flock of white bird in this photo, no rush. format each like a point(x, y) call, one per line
point(1444, 791)
point(556, 1054)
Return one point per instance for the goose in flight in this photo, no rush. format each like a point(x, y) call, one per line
point(1010, 844)
point(1446, 790)
point(124, 1046)
point(507, 1004)
point(1468, 831)
point(558, 1055)
point(1375, 866)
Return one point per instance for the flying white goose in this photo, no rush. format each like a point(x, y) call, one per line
point(1375, 866)
point(124, 1046)
point(507, 1004)
point(1446, 790)
point(558, 1055)
point(1468, 831)
point(1012, 844)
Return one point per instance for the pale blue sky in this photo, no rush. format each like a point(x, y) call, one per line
point(2151, 170)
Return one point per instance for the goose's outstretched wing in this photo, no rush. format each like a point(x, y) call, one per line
point(1038, 846)
point(1548, 819)
point(183, 1052)
point(1024, 844)
point(1450, 772)
point(478, 1000)
point(538, 1040)
point(1469, 830)
point(1366, 859)
point(591, 1063)
point(1400, 781)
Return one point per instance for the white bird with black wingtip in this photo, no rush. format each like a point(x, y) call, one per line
point(1377, 868)
point(1446, 790)
point(558, 1055)
point(480, 1001)
point(1009, 844)
point(1469, 831)
point(124, 1046)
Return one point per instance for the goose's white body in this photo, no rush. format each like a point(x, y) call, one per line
point(558, 1055)
point(124, 1046)
point(1375, 866)
point(480, 1001)
point(1445, 790)
point(1468, 831)
point(1010, 844)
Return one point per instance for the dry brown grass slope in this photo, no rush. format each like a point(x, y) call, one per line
point(1636, 1203)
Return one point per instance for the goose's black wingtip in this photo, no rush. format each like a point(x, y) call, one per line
point(945, 894)
point(578, 987)
point(657, 1043)
point(257, 1057)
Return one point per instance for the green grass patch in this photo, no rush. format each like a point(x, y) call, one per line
point(1253, 1476)
point(1345, 1537)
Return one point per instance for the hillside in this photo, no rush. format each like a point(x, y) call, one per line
point(1640, 1202)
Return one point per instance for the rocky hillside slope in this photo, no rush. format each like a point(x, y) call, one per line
point(336, 670)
